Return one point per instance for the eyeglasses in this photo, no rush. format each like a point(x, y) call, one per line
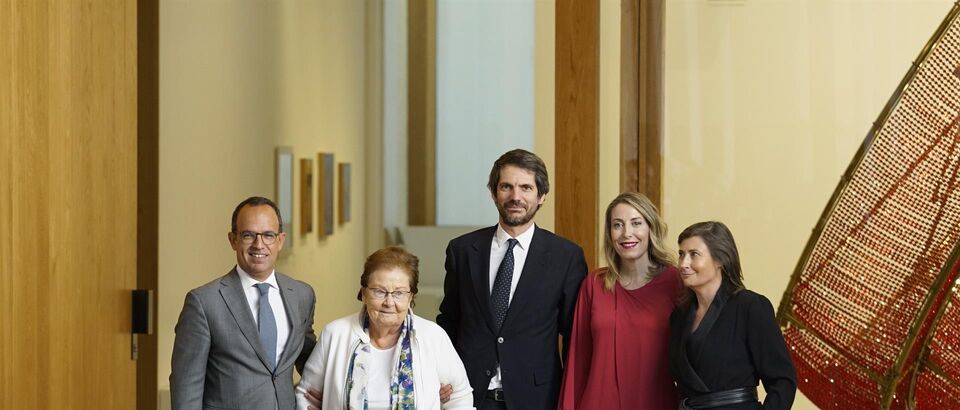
point(398, 295)
point(248, 237)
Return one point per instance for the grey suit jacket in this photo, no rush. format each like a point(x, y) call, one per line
point(218, 361)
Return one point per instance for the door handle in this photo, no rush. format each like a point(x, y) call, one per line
point(142, 318)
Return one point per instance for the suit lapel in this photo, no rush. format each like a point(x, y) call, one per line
point(533, 273)
point(236, 301)
point(698, 338)
point(480, 272)
point(685, 367)
point(291, 302)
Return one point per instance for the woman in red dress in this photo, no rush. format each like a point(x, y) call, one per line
point(618, 357)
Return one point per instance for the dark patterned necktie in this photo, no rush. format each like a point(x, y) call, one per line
point(268, 325)
point(500, 295)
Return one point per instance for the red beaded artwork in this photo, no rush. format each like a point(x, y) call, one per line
point(872, 315)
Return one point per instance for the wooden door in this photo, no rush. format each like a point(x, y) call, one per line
point(68, 197)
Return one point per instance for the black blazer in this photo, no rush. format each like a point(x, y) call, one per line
point(541, 309)
point(737, 344)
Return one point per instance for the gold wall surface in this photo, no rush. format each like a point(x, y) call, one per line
point(237, 80)
point(766, 104)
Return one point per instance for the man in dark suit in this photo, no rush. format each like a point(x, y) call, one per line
point(239, 336)
point(510, 291)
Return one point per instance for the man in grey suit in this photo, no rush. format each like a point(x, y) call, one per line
point(239, 336)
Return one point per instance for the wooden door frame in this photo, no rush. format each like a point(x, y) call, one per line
point(421, 113)
point(577, 111)
point(577, 126)
point(148, 168)
point(641, 97)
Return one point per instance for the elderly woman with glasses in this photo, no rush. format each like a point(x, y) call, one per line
point(385, 357)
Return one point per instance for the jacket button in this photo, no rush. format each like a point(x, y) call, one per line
point(489, 372)
point(500, 339)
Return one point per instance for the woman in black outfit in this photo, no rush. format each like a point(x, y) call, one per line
point(724, 338)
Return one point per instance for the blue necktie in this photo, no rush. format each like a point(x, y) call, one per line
point(500, 295)
point(268, 325)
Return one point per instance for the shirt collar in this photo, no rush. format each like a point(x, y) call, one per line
point(248, 281)
point(523, 239)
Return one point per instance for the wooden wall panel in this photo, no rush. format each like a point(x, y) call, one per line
point(641, 97)
point(8, 123)
point(148, 188)
point(421, 113)
point(577, 128)
point(68, 217)
point(629, 94)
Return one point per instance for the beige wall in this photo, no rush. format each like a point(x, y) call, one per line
point(544, 34)
point(609, 149)
point(238, 79)
point(323, 109)
point(766, 104)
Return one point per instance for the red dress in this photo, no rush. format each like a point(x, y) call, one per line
point(618, 356)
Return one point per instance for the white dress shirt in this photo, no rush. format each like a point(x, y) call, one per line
point(498, 250)
point(276, 303)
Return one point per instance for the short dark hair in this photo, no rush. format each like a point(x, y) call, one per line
point(255, 201)
point(718, 239)
point(391, 257)
point(523, 159)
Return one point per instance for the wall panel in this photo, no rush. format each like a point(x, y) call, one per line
point(68, 106)
point(577, 129)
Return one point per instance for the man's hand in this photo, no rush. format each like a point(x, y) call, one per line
point(445, 391)
point(315, 398)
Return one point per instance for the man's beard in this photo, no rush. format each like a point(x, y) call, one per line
point(516, 220)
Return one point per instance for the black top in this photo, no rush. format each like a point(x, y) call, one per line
point(737, 344)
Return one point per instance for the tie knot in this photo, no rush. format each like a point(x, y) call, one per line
point(511, 243)
point(263, 288)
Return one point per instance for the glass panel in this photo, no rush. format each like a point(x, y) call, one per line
point(484, 100)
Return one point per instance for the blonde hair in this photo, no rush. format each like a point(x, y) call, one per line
point(657, 250)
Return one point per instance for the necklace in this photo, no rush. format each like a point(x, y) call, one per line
point(641, 282)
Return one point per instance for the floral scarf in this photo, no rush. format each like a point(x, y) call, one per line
point(401, 385)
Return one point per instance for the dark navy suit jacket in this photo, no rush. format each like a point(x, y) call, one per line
point(541, 310)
